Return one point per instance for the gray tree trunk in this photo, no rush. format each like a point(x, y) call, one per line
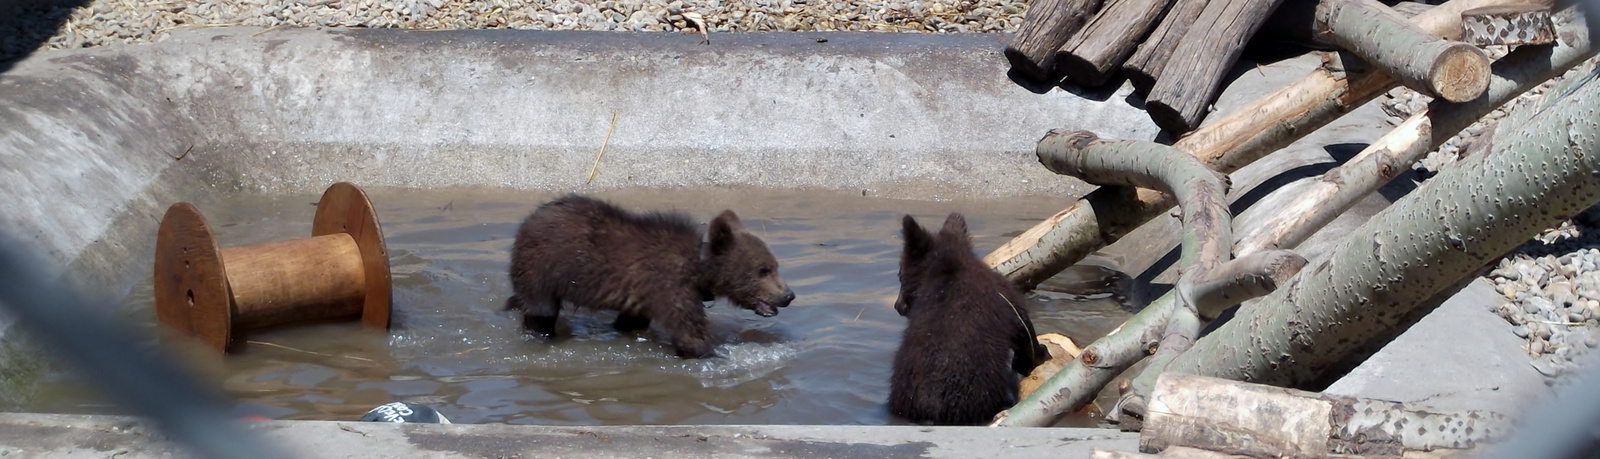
point(1144, 66)
point(1100, 48)
point(1210, 281)
point(1532, 179)
point(1209, 49)
point(1045, 27)
point(1339, 189)
point(1265, 421)
point(1226, 144)
point(1455, 71)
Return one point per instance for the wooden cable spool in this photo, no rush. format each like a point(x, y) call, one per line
point(341, 271)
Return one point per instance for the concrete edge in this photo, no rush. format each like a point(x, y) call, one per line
point(53, 435)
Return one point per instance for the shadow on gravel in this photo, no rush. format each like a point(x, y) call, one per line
point(25, 26)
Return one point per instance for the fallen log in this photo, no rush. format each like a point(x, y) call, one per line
point(1295, 22)
point(1208, 50)
point(1144, 66)
point(1046, 26)
point(1507, 25)
point(1264, 421)
point(1062, 350)
point(1100, 48)
point(1455, 71)
point(1533, 177)
point(1168, 326)
point(1319, 202)
point(1226, 144)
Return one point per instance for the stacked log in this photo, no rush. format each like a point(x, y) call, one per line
point(1177, 52)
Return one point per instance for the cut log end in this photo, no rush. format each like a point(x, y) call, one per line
point(1026, 68)
point(1171, 118)
point(1080, 71)
point(1460, 74)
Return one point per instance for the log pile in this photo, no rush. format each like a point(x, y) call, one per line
point(1177, 52)
point(1292, 337)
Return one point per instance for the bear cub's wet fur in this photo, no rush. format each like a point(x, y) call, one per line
point(969, 337)
point(650, 267)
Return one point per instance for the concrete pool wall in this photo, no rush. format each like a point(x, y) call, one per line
point(95, 135)
point(96, 143)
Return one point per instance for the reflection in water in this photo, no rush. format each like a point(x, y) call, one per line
point(823, 360)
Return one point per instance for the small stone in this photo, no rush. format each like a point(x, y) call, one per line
point(1510, 291)
point(1548, 366)
point(1528, 307)
point(1521, 331)
point(1506, 311)
point(1510, 273)
point(1536, 348)
point(1535, 305)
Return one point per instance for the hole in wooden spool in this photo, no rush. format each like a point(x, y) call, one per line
point(190, 294)
point(185, 264)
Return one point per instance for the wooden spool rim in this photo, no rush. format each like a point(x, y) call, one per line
point(191, 284)
point(344, 208)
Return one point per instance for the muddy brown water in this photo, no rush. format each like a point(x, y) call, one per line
point(825, 359)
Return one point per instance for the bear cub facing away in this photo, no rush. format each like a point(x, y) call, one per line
point(650, 267)
point(968, 336)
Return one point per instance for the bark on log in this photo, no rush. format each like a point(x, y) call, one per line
point(1046, 26)
point(1172, 323)
point(1336, 191)
point(1078, 382)
point(1226, 144)
point(1456, 222)
point(1455, 71)
point(1210, 280)
point(1208, 50)
point(1264, 421)
point(1295, 22)
point(1508, 25)
point(1062, 350)
point(1144, 66)
point(1100, 48)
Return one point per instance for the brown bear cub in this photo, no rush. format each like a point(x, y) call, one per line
point(649, 267)
point(968, 338)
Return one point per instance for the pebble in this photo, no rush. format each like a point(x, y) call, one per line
point(1550, 365)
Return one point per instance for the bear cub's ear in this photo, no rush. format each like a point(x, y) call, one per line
point(722, 232)
point(955, 229)
point(918, 241)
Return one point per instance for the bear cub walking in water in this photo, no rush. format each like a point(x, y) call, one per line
point(649, 267)
point(969, 336)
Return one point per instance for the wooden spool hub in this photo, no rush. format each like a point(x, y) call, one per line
point(341, 271)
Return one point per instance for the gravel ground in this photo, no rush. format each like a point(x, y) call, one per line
point(1551, 284)
point(71, 24)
